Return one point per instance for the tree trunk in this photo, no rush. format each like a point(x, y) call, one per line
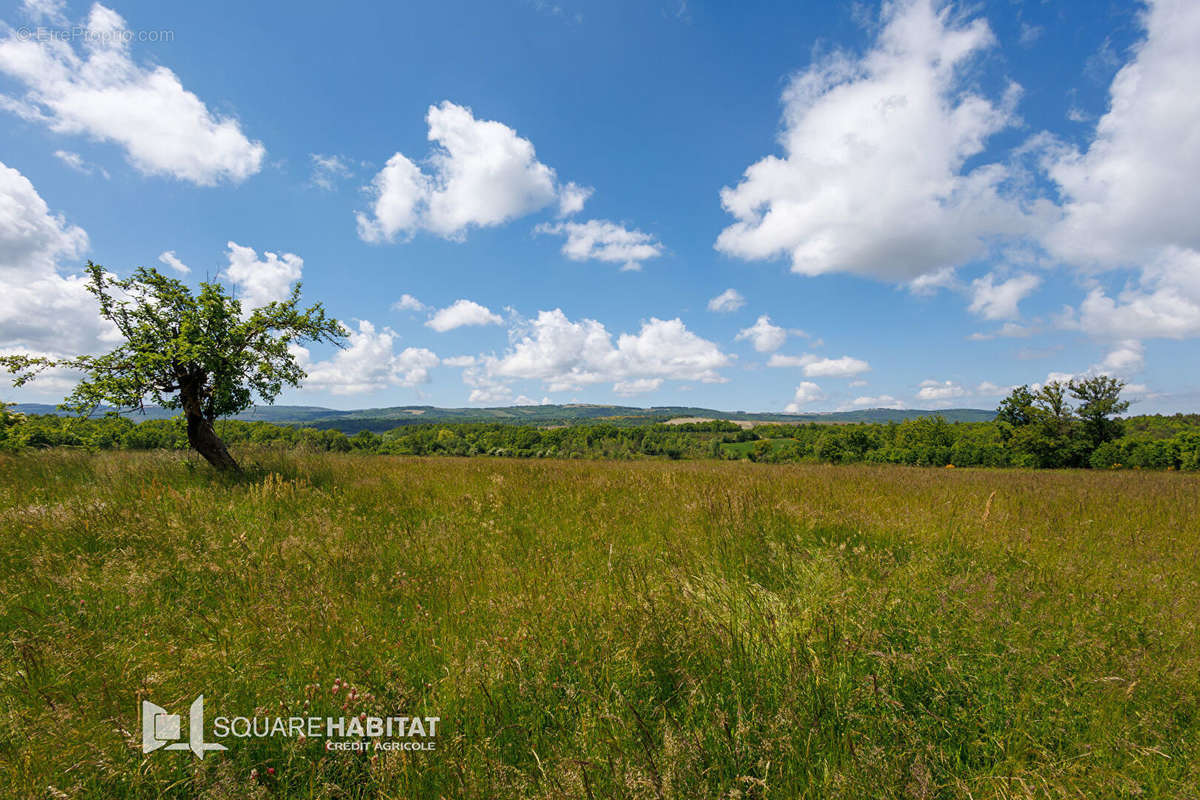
point(201, 436)
point(204, 440)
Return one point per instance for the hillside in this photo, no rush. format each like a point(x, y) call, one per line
point(378, 420)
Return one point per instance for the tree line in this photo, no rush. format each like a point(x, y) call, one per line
point(1145, 442)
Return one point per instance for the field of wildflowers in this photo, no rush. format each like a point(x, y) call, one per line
point(649, 629)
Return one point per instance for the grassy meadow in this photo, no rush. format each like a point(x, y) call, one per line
point(588, 629)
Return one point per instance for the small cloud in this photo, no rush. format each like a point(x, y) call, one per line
point(879, 401)
point(931, 283)
point(764, 335)
point(462, 313)
point(1009, 330)
point(946, 390)
point(572, 197)
point(817, 367)
point(171, 260)
point(601, 240)
point(992, 300)
point(1030, 34)
point(408, 303)
point(806, 393)
point(328, 170)
point(639, 386)
point(1128, 357)
point(727, 301)
point(50, 11)
point(76, 162)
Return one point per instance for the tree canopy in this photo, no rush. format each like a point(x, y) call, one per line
point(198, 352)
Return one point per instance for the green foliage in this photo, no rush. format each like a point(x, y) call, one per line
point(195, 352)
point(1100, 401)
point(1017, 408)
point(1051, 436)
point(12, 430)
point(173, 337)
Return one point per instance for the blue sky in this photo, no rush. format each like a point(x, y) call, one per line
point(919, 204)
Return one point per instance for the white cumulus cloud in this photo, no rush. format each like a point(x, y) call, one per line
point(1126, 358)
point(1164, 302)
point(261, 281)
point(763, 334)
point(409, 303)
point(1134, 189)
point(992, 300)
point(807, 393)
point(945, 390)
point(482, 174)
point(461, 313)
point(1129, 198)
point(572, 197)
point(818, 367)
point(369, 363)
point(42, 310)
point(567, 355)
point(872, 180)
point(727, 301)
point(878, 401)
point(601, 240)
point(102, 93)
point(638, 386)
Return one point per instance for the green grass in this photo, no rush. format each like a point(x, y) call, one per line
point(604, 629)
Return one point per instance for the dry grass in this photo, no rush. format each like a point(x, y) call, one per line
point(600, 629)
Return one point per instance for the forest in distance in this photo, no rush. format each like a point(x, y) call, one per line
point(1031, 429)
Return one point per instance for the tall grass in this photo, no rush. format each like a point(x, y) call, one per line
point(601, 629)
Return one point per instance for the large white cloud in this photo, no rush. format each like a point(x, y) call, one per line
point(101, 93)
point(872, 179)
point(482, 174)
point(369, 363)
point(601, 240)
point(1130, 198)
point(42, 312)
point(261, 281)
point(1164, 302)
point(567, 355)
point(461, 313)
point(1136, 188)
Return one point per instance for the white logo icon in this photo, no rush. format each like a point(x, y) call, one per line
point(160, 729)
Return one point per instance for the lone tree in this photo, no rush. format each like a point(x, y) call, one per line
point(195, 352)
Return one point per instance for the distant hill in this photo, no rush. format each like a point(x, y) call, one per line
point(378, 420)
